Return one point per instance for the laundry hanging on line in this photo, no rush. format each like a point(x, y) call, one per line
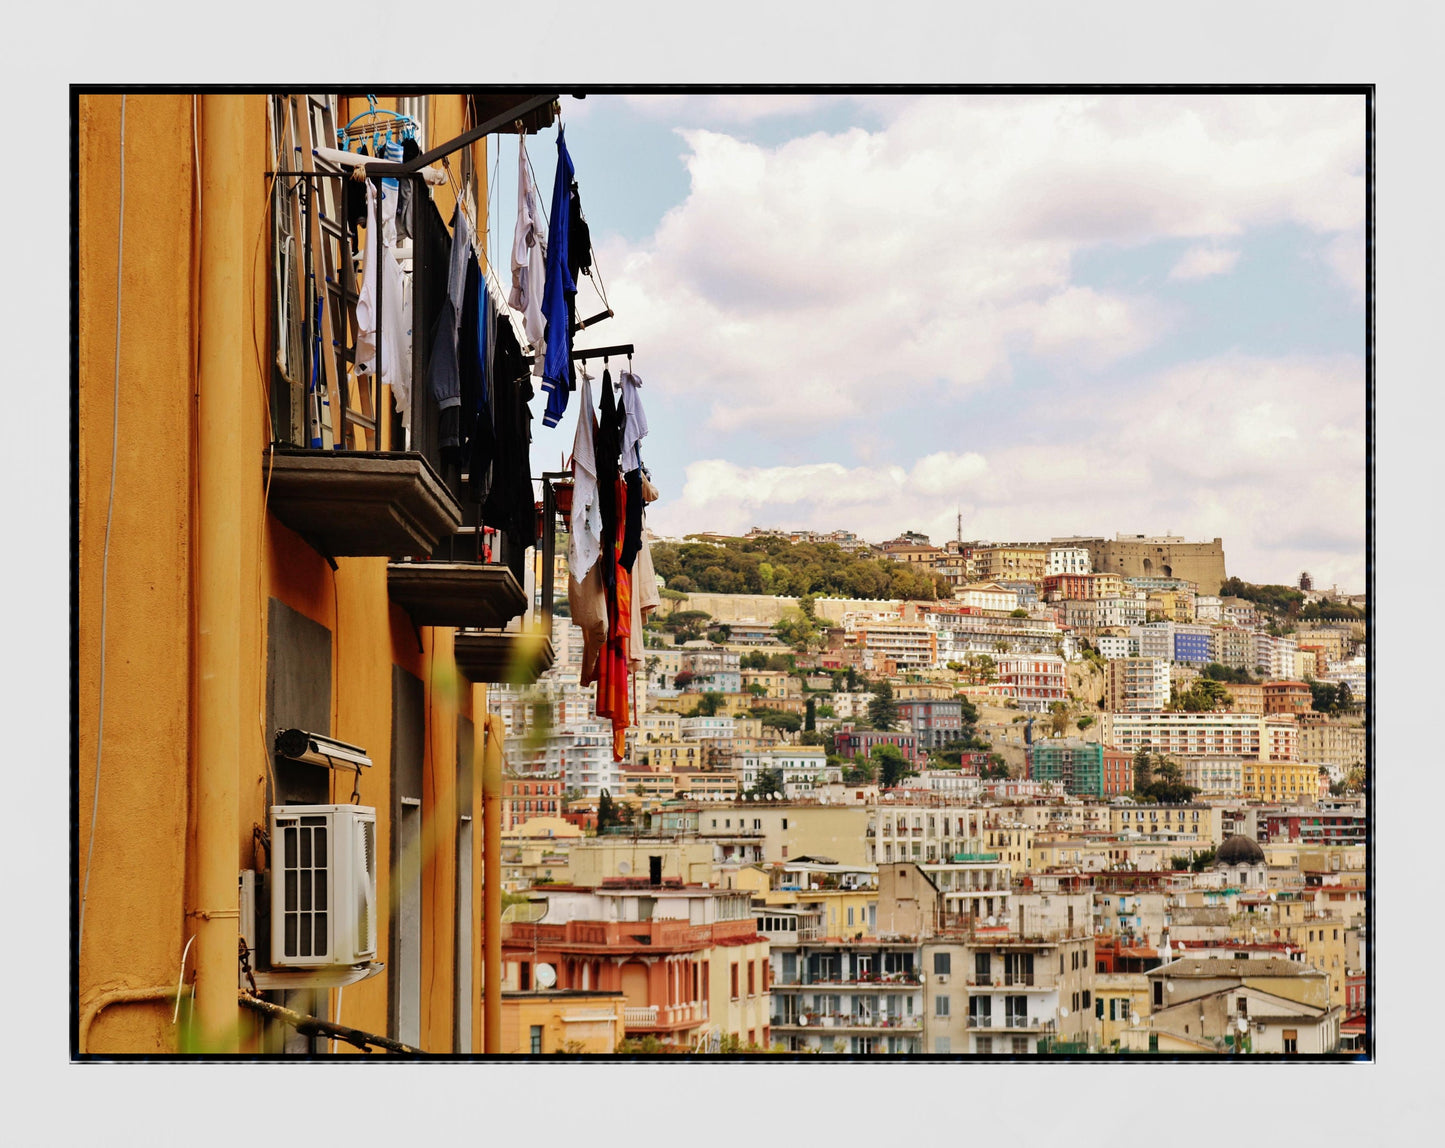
point(558, 293)
point(529, 256)
point(396, 325)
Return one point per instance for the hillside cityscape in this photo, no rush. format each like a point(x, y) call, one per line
point(1088, 796)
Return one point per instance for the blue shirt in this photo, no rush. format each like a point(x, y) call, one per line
point(558, 285)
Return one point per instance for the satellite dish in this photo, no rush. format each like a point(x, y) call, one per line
point(1064, 1011)
point(803, 1021)
point(992, 921)
point(1242, 1024)
point(546, 976)
point(624, 867)
point(1135, 1018)
point(1169, 986)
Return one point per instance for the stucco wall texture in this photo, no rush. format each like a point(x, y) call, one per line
point(140, 900)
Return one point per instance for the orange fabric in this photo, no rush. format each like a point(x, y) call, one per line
point(613, 666)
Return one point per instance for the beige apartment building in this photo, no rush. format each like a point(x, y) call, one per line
point(1010, 563)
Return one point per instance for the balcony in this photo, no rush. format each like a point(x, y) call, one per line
point(664, 1018)
point(867, 1022)
point(345, 470)
point(636, 1018)
point(461, 594)
point(509, 656)
point(349, 503)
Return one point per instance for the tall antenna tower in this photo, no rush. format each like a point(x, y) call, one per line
point(958, 529)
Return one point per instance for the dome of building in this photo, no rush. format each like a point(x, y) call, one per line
point(1239, 850)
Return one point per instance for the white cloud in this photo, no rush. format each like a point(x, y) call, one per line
point(1345, 256)
point(799, 283)
point(1267, 454)
point(1202, 262)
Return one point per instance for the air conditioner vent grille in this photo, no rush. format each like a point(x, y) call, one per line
point(325, 878)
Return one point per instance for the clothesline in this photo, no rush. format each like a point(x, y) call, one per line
point(494, 288)
point(597, 284)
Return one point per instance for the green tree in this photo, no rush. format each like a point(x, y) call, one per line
point(768, 781)
point(1083, 722)
point(606, 811)
point(757, 689)
point(1058, 717)
point(883, 710)
point(810, 715)
point(1143, 768)
point(1324, 696)
point(893, 767)
point(687, 625)
point(709, 704)
point(779, 720)
point(796, 629)
point(1019, 613)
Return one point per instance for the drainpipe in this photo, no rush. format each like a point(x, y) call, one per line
point(492, 885)
point(221, 468)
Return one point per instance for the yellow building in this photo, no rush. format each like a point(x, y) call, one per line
point(1118, 997)
point(233, 583)
point(1010, 563)
point(669, 755)
point(1207, 821)
point(561, 1020)
point(1280, 780)
point(1171, 605)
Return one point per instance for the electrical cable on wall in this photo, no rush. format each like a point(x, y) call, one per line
point(109, 515)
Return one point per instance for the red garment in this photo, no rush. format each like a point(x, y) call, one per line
point(612, 669)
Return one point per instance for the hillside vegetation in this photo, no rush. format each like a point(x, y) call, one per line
point(777, 566)
point(1288, 604)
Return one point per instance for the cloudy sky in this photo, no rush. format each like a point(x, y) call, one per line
point(1053, 314)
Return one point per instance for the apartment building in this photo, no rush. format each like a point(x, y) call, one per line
point(713, 668)
point(995, 992)
point(1035, 681)
point(1137, 685)
point(1216, 734)
point(1173, 605)
point(802, 768)
point(1192, 644)
point(529, 797)
point(1247, 697)
point(1279, 780)
point(856, 743)
point(1067, 560)
point(934, 722)
point(833, 996)
point(1198, 820)
point(1112, 646)
point(996, 563)
point(1331, 741)
point(1214, 776)
point(987, 596)
point(1083, 768)
point(902, 643)
point(1287, 698)
point(1234, 646)
point(688, 960)
point(1225, 1005)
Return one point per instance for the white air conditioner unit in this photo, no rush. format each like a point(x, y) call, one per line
point(323, 885)
point(943, 978)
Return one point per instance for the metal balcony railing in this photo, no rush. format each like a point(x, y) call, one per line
point(342, 470)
